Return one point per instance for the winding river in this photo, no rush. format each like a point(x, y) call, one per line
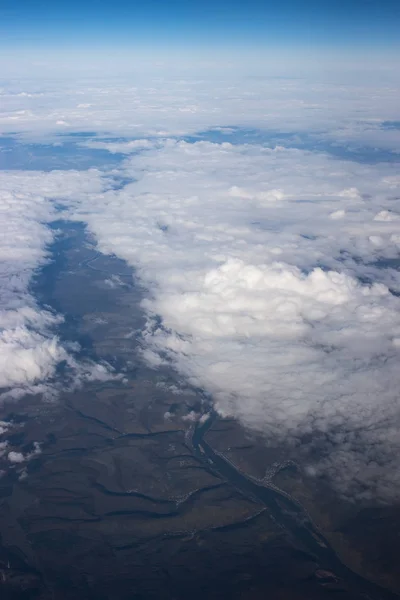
point(289, 515)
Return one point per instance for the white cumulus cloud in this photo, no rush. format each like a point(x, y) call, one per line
point(275, 308)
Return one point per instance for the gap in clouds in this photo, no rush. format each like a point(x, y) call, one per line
point(102, 317)
point(73, 255)
point(365, 154)
point(316, 142)
point(31, 350)
point(49, 155)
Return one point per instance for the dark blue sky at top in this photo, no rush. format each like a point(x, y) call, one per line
point(154, 22)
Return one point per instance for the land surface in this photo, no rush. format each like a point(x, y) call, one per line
point(125, 502)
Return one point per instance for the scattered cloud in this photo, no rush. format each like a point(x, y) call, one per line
point(191, 416)
point(16, 457)
point(121, 147)
point(114, 282)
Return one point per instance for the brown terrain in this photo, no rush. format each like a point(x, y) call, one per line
point(121, 505)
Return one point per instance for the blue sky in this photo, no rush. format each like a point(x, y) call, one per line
point(200, 23)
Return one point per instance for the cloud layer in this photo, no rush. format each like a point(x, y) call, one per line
point(272, 273)
point(350, 110)
point(265, 267)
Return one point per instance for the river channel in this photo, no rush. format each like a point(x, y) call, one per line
point(289, 515)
